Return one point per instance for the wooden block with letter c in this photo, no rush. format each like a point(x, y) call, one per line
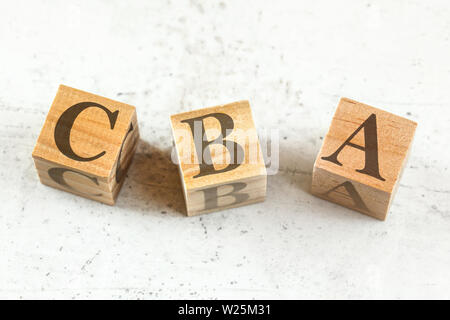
point(219, 158)
point(86, 144)
point(362, 158)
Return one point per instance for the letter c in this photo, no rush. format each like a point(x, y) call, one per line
point(57, 175)
point(65, 123)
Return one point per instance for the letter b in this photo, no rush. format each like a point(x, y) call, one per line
point(202, 144)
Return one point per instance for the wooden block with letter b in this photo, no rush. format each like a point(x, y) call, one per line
point(362, 157)
point(219, 158)
point(86, 144)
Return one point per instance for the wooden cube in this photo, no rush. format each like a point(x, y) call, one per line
point(219, 157)
point(362, 158)
point(86, 144)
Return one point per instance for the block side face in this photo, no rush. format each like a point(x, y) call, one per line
point(350, 193)
point(230, 195)
point(180, 173)
point(118, 180)
point(96, 125)
point(234, 122)
point(126, 152)
point(392, 141)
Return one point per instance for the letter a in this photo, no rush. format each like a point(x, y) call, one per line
point(371, 148)
point(351, 190)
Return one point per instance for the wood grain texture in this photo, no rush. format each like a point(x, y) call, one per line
point(362, 157)
point(99, 126)
point(229, 179)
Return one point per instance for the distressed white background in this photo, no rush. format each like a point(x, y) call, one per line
point(293, 60)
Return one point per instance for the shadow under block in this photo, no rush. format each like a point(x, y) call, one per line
point(219, 158)
point(86, 144)
point(362, 157)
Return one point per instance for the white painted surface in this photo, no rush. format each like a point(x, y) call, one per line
point(292, 60)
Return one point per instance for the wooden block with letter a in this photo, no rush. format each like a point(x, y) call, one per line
point(362, 157)
point(86, 144)
point(219, 158)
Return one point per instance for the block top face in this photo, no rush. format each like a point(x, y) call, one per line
point(366, 144)
point(84, 131)
point(217, 145)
